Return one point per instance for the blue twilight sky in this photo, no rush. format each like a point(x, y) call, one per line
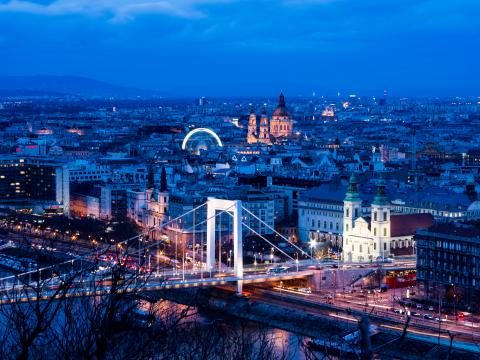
point(249, 47)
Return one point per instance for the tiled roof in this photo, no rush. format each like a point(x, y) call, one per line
point(406, 225)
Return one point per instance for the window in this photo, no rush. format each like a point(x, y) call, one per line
point(347, 212)
point(356, 212)
point(385, 246)
point(385, 216)
point(346, 227)
point(384, 231)
point(375, 216)
point(374, 231)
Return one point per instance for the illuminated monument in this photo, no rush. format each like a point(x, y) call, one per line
point(281, 121)
point(279, 126)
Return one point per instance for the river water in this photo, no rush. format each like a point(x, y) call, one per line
point(285, 345)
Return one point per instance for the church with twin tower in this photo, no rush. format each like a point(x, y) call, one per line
point(382, 234)
point(279, 126)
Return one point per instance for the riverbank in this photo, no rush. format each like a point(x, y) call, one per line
point(298, 321)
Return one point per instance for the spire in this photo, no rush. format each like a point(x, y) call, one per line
point(281, 100)
point(150, 177)
point(163, 180)
point(264, 118)
point(352, 190)
point(381, 196)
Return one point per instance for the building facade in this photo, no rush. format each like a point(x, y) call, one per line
point(279, 126)
point(448, 264)
point(380, 235)
point(35, 183)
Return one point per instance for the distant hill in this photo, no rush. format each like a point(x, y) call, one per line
point(72, 85)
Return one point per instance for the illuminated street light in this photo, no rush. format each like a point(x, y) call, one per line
point(313, 243)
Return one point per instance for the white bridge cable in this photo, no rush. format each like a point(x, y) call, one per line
point(191, 227)
point(265, 239)
point(303, 252)
point(106, 248)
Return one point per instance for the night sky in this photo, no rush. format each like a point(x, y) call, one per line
point(251, 47)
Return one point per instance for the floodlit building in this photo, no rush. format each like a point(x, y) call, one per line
point(380, 235)
point(34, 183)
point(279, 126)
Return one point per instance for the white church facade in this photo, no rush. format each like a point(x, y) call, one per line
point(380, 235)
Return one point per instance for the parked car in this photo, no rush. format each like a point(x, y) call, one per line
point(428, 316)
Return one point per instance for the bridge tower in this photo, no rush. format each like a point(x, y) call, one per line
point(235, 208)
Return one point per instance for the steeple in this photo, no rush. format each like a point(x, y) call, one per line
point(281, 100)
point(264, 134)
point(252, 128)
point(352, 205)
point(150, 177)
point(163, 180)
point(381, 196)
point(352, 190)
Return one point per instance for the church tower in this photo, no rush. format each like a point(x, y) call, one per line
point(252, 128)
point(380, 223)
point(352, 205)
point(264, 136)
point(157, 201)
point(352, 210)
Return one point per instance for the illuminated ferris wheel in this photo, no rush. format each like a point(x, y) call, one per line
point(201, 139)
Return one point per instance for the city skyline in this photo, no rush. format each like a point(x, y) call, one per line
point(239, 179)
point(246, 48)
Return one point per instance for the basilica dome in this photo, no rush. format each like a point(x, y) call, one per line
point(281, 109)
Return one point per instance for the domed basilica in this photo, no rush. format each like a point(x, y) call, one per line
point(280, 125)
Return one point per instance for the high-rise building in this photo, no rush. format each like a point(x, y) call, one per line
point(36, 183)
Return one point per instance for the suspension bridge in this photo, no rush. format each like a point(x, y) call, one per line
point(203, 265)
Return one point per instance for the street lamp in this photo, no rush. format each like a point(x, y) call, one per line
point(313, 243)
